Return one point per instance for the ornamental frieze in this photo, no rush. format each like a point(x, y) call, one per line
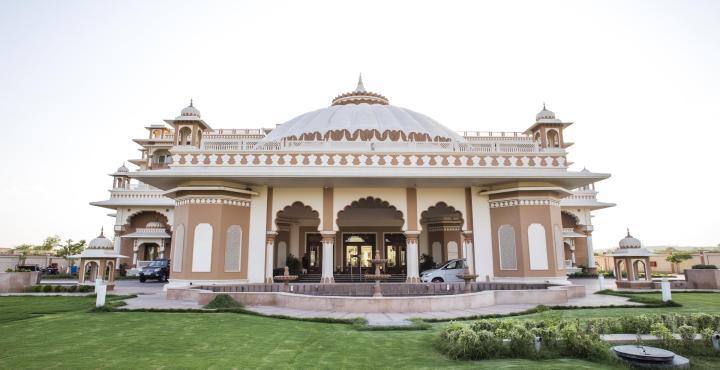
point(369, 160)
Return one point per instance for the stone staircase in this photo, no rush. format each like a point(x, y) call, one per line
point(347, 278)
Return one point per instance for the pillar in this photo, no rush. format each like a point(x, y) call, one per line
point(269, 255)
point(328, 260)
point(81, 272)
point(648, 273)
point(630, 269)
point(413, 259)
point(469, 250)
point(162, 248)
point(294, 241)
point(590, 253)
point(135, 253)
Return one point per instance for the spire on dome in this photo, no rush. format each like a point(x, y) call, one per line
point(360, 87)
point(628, 231)
point(102, 230)
point(191, 102)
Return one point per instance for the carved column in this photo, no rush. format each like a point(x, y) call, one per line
point(590, 253)
point(136, 247)
point(269, 249)
point(469, 250)
point(328, 260)
point(413, 259)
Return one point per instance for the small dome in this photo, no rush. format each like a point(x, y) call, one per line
point(101, 242)
point(122, 168)
point(190, 111)
point(545, 114)
point(154, 225)
point(629, 242)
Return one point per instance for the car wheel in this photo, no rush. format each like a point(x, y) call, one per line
point(161, 278)
point(142, 279)
point(437, 280)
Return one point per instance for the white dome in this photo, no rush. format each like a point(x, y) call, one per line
point(629, 242)
point(154, 225)
point(122, 168)
point(101, 242)
point(190, 111)
point(366, 122)
point(546, 116)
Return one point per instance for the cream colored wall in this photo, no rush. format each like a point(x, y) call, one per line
point(284, 197)
point(257, 235)
point(343, 197)
point(454, 197)
point(482, 234)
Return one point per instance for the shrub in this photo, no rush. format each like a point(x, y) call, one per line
point(707, 335)
point(582, 345)
point(85, 288)
point(664, 335)
point(223, 302)
point(59, 289)
point(687, 336)
point(47, 288)
point(704, 267)
point(72, 288)
point(521, 341)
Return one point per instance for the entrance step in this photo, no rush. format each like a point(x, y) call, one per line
point(347, 278)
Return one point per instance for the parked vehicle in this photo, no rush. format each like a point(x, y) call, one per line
point(157, 269)
point(51, 270)
point(447, 273)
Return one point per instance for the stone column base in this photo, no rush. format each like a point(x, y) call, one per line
point(327, 280)
point(269, 280)
point(412, 279)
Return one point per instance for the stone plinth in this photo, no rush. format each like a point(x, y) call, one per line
point(16, 282)
point(702, 279)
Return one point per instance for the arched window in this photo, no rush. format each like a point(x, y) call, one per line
point(553, 139)
point(506, 247)
point(452, 250)
point(537, 247)
point(202, 248)
point(185, 133)
point(233, 249)
point(178, 248)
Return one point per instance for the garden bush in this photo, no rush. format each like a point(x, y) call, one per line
point(223, 302)
point(483, 339)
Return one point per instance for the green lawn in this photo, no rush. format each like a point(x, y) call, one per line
point(61, 332)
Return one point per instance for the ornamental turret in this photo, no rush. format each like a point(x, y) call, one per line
point(548, 130)
point(189, 127)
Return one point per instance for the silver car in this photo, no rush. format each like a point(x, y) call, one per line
point(447, 273)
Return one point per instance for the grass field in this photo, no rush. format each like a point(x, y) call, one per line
point(61, 332)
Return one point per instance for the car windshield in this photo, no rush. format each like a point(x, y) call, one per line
point(157, 264)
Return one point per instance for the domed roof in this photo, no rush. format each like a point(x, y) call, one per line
point(189, 112)
point(546, 116)
point(101, 242)
point(629, 241)
point(363, 116)
point(154, 225)
point(122, 168)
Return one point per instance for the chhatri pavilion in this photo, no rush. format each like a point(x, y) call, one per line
point(334, 185)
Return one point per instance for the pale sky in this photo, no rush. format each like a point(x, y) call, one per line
point(640, 79)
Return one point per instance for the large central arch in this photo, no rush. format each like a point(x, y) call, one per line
point(369, 226)
point(298, 236)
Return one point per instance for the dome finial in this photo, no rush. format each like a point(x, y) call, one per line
point(628, 231)
point(191, 102)
point(360, 87)
point(102, 230)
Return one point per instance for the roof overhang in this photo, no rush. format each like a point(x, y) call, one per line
point(369, 177)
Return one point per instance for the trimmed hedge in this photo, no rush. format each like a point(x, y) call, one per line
point(704, 267)
point(483, 339)
point(47, 288)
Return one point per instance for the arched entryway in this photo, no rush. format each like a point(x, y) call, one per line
point(368, 226)
point(298, 237)
point(442, 231)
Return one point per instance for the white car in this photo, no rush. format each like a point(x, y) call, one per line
point(447, 273)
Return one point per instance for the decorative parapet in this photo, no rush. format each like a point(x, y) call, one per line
point(523, 202)
point(419, 160)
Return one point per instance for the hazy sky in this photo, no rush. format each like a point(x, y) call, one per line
point(641, 80)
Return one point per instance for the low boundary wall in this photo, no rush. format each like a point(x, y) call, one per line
point(16, 282)
point(400, 304)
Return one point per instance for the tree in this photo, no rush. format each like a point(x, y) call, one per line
point(676, 258)
point(50, 243)
point(71, 248)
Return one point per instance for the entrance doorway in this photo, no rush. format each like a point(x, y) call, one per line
point(395, 253)
point(359, 249)
point(312, 260)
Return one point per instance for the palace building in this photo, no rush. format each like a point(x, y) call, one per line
point(336, 185)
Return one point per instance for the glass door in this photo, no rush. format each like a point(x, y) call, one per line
point(395, 252)
point(312, 260)
point(359, 250)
